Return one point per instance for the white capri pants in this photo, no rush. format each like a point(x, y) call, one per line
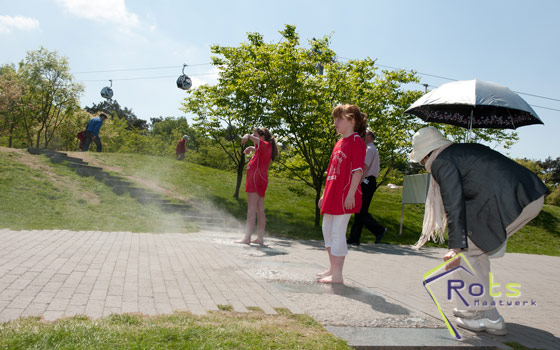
point(334, 233)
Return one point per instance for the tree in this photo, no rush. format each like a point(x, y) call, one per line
point(292, 89)
point(237, 103)
point(551, 167)
point(12, 91)
point(52, 94)
point(303, 99)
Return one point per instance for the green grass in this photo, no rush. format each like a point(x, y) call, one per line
point(289, 204)
point(217, 330)
point(60, 199)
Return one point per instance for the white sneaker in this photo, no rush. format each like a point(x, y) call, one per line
point(466, 313)
point(497, 327)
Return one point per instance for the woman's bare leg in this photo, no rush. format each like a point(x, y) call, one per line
point(261, 221)
point(252, 203)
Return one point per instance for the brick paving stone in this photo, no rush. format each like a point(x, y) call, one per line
point(35, 309)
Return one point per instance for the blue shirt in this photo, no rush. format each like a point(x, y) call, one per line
point(94, 125)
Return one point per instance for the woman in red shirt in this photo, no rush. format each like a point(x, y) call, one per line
point(256, 181)
point(342, 195)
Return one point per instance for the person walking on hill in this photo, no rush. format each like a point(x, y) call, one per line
point(256, 181)
point(181, 148)
point(342, 196)
point(92, 132)
point(368, 186)
point(483, 198)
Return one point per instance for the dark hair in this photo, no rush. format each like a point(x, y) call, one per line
point(352, 112)
point(269, 138)
point(372, 134)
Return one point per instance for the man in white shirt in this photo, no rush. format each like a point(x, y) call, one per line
point(368, 186)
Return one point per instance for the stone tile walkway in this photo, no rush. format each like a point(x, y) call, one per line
point(61, 273)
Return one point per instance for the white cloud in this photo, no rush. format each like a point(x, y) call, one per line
point(113, 11)
point(8, 23)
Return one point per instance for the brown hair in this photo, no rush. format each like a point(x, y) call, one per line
point(352, 112)
point(269, 138)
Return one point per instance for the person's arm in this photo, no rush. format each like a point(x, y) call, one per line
point(367, 162)
point(451, 188)
point(249, 150)
point(247, 137)
point(350, 201)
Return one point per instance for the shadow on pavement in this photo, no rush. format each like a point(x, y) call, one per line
point(376, 302)
point(527, 336)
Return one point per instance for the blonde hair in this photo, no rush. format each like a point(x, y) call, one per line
point(352, 112)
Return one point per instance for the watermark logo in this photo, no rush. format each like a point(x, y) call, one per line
point(470, 292)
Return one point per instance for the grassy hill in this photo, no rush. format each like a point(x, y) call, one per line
point(38, 194)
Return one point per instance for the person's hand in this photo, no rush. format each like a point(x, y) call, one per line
point(450, 255)
point(321, 202)
point(349, 202)
point(247, 150)
point(244, 139)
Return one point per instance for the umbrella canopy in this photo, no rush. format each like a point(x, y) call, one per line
point(474, 104)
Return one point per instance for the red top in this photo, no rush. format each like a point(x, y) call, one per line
point(181, 147)
point(347, 156)
point(257, 169)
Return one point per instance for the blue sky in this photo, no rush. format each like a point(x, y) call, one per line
point(513, 43)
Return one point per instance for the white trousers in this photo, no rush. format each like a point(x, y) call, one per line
point(480, 262)
point(334, 233)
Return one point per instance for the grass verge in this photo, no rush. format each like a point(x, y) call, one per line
point(217, 330)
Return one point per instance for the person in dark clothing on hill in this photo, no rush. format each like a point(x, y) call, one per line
point(92, 132)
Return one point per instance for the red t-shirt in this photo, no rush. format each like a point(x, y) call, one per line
point(347, 156)
point(257, 169)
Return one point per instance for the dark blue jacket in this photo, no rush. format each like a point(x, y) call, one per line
point(94, 125)
point(483, 192)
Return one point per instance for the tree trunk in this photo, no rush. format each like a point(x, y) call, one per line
point(11, 135)
point(317, 209)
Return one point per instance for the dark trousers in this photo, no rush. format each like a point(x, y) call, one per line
point(97, 141)
point(364, 218)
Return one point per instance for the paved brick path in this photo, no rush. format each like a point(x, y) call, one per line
point(62, 273)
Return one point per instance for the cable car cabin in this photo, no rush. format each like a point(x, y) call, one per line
point(107, 92)
point(184, 82)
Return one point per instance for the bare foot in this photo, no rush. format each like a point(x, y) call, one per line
point(331, 280)
point(243, 241)
point(258, 241)
point(323, 274)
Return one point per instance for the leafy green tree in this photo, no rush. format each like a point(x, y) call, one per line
point(52, 94)
point(12, 91)
point(304, 98)
point(291, 89)
point(552, 168)
point(237, 104)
